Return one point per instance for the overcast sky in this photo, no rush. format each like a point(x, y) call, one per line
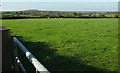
point(60, 0)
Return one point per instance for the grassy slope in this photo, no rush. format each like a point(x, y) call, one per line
point(70, 44)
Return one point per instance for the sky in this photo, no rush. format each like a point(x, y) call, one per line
point(59, 0)
point(60, 5)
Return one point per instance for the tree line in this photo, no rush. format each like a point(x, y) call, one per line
point(57, 14)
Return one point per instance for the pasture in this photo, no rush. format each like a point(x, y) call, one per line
point(69, 44)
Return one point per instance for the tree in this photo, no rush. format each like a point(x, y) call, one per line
point(94, 15)
point(90, 15)
point(116, 16)
point(74, 14)
point(79, 14)
point(101, 15)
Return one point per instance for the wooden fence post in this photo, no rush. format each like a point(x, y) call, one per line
point(6, 52)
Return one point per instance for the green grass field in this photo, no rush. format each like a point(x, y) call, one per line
point(70, 44)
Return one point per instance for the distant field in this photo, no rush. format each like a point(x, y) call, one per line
point(70, 44)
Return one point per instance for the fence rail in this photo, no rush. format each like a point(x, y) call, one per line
point(38, 66)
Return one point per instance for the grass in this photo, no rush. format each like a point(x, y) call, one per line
point(70, 44)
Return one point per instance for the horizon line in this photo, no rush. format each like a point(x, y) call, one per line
point(65, 10)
